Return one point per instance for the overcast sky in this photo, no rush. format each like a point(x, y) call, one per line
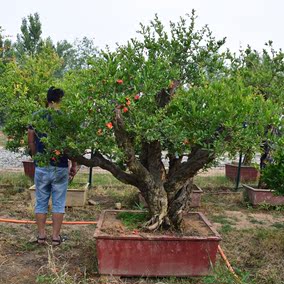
point(243, 22)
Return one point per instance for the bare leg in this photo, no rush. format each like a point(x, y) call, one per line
point(40, 220)
point(57, 219)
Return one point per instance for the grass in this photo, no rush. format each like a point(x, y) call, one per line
point(213, 181)
point(132, 220)
point(15, 179)
point(256, 254)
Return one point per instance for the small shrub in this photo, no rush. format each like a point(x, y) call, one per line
point(273, 174)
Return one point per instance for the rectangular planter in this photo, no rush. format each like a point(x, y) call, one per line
point(261, 196)
point(29, 169)
point(248, 173)
point(74, 197)
point(195, 197)
point(155, 255)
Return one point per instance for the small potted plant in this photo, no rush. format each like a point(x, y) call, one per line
point(271, 187)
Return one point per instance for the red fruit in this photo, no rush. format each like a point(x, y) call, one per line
point(137, 97)
point(57, 152)
point(128, 103)
point(185, 142)
point(171, 84)
point(109, 125)
point(119, 81)
point(125, 109)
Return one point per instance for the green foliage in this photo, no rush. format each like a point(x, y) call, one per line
point(132, 220)
point(177, 88)
point(263, 71)
point(23, 91)
point(273, 173)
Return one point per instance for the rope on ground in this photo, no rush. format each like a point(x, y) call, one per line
point(228, 263)
point(48, 222)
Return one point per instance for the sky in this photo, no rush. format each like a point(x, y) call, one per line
point(109, 22)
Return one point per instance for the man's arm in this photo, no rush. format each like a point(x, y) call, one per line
point(73, 169)
point(31, 142)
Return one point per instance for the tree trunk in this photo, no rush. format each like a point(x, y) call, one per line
point(156, 199)
point(178, 204)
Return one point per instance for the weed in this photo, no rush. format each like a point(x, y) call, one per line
point(222, 220)
point(132, 220)
point(28, 246)
point(255, 221)
point(265, 206)
point(222, 275)
point(138, 206)
point(226, 228)
point(278, 225)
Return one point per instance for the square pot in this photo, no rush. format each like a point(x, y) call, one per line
point(74, 197)
point(248, 173)
point(29, 169)
point(155, 255)
point(261, 196)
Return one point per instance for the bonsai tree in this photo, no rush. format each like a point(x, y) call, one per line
point(155, 112)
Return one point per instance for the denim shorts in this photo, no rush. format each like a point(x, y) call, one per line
point(51, 181)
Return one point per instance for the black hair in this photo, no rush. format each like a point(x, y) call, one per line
point(54, 95)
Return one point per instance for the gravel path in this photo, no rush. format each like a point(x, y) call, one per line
point(10, 159)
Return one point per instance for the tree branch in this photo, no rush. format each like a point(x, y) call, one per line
point(124, 141)
point(151, 159)
point(99, 161)
point(197, 159)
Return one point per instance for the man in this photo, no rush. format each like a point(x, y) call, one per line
point(50, 180)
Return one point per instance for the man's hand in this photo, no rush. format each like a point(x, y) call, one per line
point(72, 170)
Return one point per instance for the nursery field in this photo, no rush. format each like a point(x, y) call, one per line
point(252, 238)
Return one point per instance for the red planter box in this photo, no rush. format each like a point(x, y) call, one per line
point(248, 173)
point(196, 197)
point(29, 169)
point(261, 196)
point(155, 255)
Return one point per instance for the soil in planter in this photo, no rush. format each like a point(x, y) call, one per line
point(129, 223)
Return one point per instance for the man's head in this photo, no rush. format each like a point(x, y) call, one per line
point(54, 95)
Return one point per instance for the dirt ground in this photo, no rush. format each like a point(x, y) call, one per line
point(252, 238)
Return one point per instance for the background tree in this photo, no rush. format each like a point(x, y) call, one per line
point(264, 73)
point(29, 41)
point(23, 90)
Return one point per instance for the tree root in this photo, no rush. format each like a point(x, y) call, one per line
point(154, 223)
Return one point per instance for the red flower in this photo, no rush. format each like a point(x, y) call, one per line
point(109, 125)
point(53, 159)
point(137, 97)
point(119, 81)
point(125, 109)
